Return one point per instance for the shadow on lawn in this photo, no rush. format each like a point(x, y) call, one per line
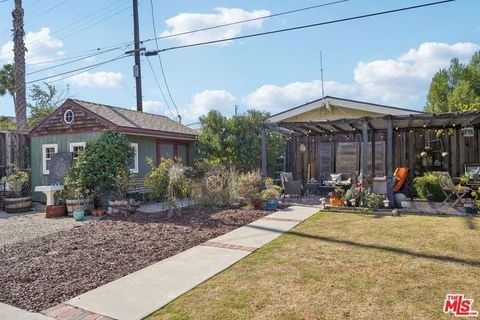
point(474, 263)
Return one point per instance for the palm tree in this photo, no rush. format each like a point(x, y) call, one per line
point(19, 58)
point(7, 80)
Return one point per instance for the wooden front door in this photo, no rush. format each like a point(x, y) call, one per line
point(170, 149)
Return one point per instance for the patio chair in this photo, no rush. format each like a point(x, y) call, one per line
point(449, 189)
point(291, 187)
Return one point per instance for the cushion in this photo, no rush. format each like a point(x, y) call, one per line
point(287, 176)
point(336, 177)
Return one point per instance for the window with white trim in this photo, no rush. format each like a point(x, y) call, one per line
point(68, 116)
point(48, 150)
point(134, 165)
point(76, 148)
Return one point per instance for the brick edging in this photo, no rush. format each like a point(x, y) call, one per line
point(228, 246)
point(65, 311)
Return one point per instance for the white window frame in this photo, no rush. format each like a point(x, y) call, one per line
point(77, 144)
point(44, 156)
point(65, 116)
point(135, 158)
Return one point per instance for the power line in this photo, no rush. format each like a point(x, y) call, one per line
point(79, 69)
point(247, 20)
point(76, 60)
point(179, 118)
point(153, 52)
point(160, 88)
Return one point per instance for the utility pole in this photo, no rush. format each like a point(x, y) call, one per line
point(236, 110)
point(20, 98)
point(136, 68)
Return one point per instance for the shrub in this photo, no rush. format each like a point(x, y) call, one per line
point(249, 186)
point(16, 179)
point(270, 194)
point(428, 187)
point(225, 193)
point(96, 167)
point(269, 181)
point(167, 179)
point(374, 200)
point(122, 180)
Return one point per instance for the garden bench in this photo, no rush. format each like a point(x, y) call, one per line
point(137, 186)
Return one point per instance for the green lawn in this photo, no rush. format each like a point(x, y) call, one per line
point(342, 266)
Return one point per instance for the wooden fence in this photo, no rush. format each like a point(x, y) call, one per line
point(14, 149)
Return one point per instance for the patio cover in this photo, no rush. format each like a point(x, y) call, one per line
point(387, 123)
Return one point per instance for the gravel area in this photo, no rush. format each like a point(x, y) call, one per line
point(43, 272)
point(24, 227)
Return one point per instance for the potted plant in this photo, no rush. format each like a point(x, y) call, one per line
point(469, 205)
point(16, 203)
point(271, 197)
point(336, 197)
point(59, 209)
point(80, 207)
point(269, 183)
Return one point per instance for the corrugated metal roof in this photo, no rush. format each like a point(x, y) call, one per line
point(134, 119)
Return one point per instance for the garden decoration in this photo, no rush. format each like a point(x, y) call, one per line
point(271, 197)
point(213, 182)
point(336, 197)
point(79, 211)
point(16, 202)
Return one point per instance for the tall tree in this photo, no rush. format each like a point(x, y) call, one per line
point(19, 59)
point(236, 141)
point(44, 100)
point(456, 88)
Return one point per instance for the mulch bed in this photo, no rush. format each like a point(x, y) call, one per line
point(43, 272)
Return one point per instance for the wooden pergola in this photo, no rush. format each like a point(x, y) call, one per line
point(399, 130)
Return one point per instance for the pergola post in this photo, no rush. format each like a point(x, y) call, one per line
point(390, 161)
point(364, 152)
point(264, 151)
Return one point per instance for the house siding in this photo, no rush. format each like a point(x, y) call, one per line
point(146, 148)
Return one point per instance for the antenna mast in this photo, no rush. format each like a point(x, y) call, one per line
point(321, 75)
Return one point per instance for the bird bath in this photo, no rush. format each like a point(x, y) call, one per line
point(49, 192)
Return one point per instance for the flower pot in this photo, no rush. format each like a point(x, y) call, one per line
point(78, 215)
point(271, 205)
point(100, 213)
point(55, 211)
point(470, 210)
point(257, 203)
point(336, 202)
point(17, 205)
point(72, 204)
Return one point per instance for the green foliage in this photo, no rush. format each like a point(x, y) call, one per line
point(236, 141)
point(44, 101)
point(456, 89)
point(428, 187)
point(7, 80)
point(268, 181)
point(95, 170)
point(228, 179)
point(7, 124)
point(16, 179)
point(122, 179)
point(374, 200)
point(270, 194)
point(249, 186)
point(168, 180)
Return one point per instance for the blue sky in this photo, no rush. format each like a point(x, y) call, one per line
point(388, 59)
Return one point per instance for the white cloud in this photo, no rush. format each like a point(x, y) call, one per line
point(97, 79)
point(193, 21)
point(205, 101)
point(154, 106)
point(41, 46)
point(398, 82)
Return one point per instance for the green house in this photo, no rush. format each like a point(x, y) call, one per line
point(75, 122)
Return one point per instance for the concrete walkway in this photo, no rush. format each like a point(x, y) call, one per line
point(139, 294)
point(10, 312)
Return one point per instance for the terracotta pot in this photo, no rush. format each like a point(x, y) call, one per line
point(55, 211)
point(100, 213)
point(336, 202)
